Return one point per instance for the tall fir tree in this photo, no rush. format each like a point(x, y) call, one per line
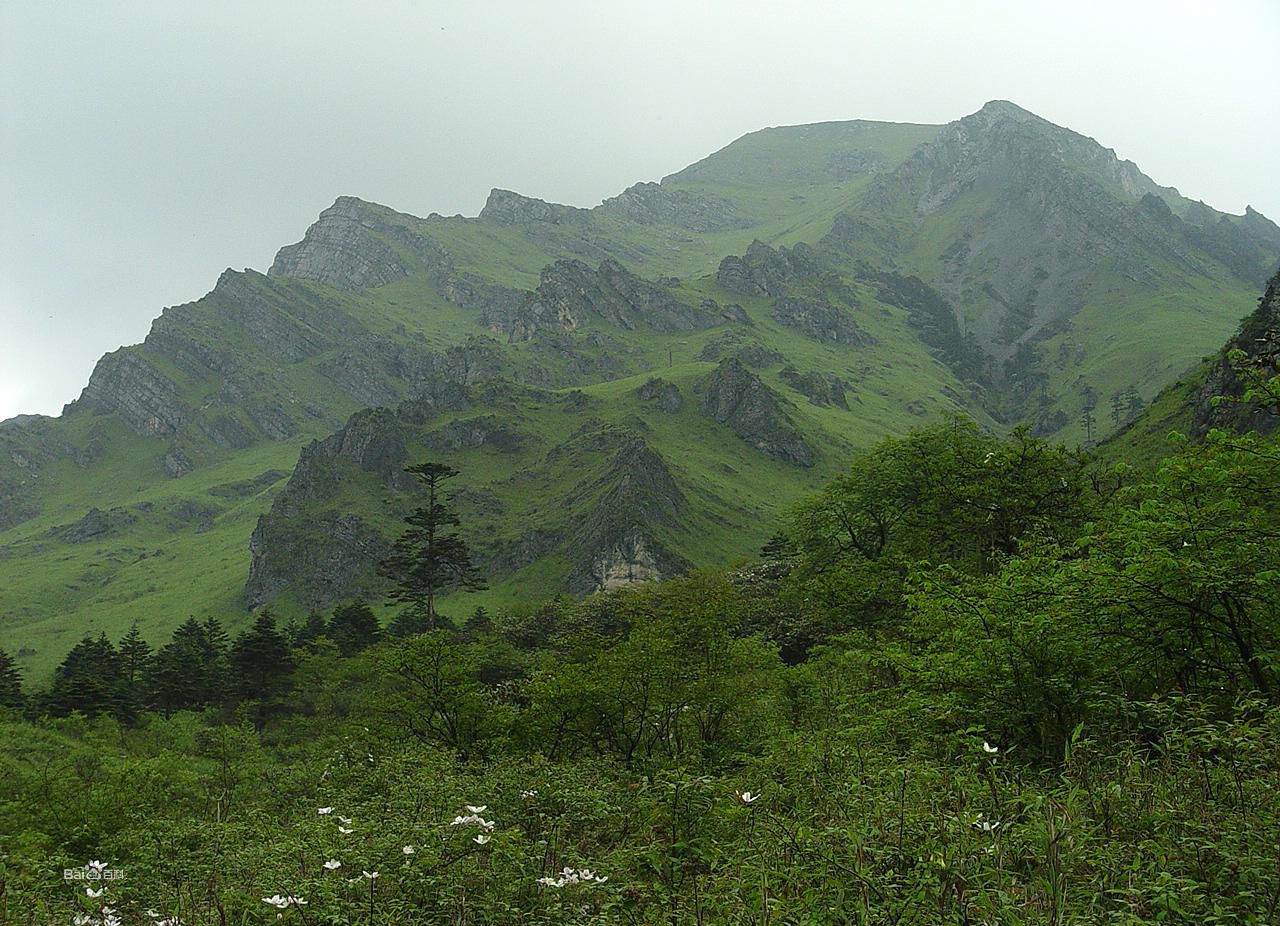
point(10, 683)
point(311, 630)
point(260, 660)
point(429, 557)
point(90, 680)
point(354, 627)
point(189, 672)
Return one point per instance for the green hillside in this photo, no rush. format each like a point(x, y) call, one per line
point(802, 293)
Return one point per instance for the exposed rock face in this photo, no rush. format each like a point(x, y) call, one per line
point(463, 434)
point(324, 572)
point(96, 525)
point(765, 271)
point(655, 204)
point(735, 396)
point(820, 320)
point(323, 554)
point(1056, 207)
point(748, 350)
point(820, 388)
point(124, 382)
point(665, 396)
point(570, 293)
point(356, 245)
point(27, 444)
point(615, 544)
point(1259, 338)
point(508, 208)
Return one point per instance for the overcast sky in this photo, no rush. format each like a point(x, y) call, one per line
point(147, 146)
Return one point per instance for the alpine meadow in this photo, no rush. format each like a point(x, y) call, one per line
point(870, 523)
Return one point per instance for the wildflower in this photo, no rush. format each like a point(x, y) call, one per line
point(333, 864)
point(481, 839)
point(408, 850)
point(370, 875)
point(96, 865)
point(276, 901)
point(746, 797)
point(528, 795)
point(987, 826)
point(90, 892)
point(325, 811)
point(571, 876)
point(344, 831)
point(989, 749)
point(345, 821)
point(473, 818)
point(481, 809)
point(81, 919)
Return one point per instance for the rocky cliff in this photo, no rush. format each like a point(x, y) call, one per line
point(736, 397)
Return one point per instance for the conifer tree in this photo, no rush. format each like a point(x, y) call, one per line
point(260, 660)
point(189, 672)
point(10, 683)
point(311, 630)
point(90, 680)
point(429, 557)
point(354, 627)
point(135, 653)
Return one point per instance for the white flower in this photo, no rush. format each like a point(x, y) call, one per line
point(344, 831)
point(371, 875)
point(987, 826)
point(333, 864)
point(481, 809)
point(481, 839)
point(81, 919)
point(408, 850)
point(96, 865)
point(90, 892)
point(528, 795)
point(747, 797)
point(570, 876)
point(475, 819)
point(276, 901)
point(989, 749)
point(325, 811)
point(345, 821)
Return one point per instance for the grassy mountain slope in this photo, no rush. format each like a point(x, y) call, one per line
point(801, 293)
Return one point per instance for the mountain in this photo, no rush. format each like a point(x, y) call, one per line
point(629, 390)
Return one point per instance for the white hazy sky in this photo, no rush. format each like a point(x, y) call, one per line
point(147, 146)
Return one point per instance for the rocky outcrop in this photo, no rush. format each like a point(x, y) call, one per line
point(820, 388)
point(736, 397)
point(507, 208)
point(469, 433)
point(127, 383)
point(94, 526)
point(665, 396)
point(356, 245)
point(304, 545)
point(747, 350)
point(324, 561)
point(656, 204)
point(615, 543)
point(1217, 404)
point(570, 294)
point(820, 320)
point(766, 271)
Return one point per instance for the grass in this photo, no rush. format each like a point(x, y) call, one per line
point(792, 182)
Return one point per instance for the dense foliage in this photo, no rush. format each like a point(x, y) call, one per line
point(972, 681)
